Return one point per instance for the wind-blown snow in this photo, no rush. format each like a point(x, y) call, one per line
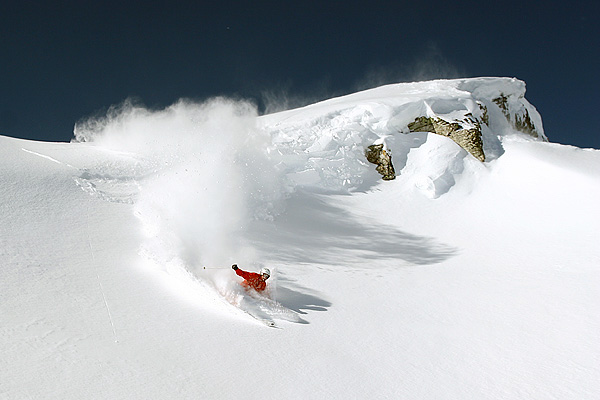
point(459, 279)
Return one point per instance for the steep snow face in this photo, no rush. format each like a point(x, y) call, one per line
point(323, 144)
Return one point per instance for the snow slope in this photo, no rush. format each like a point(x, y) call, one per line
point(459, 279)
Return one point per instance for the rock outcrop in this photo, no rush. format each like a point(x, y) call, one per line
point(325, 144)
point(519, 118)
point(376, 154)
point(466, 133)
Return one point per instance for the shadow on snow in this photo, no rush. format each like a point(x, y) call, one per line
point(314, 231)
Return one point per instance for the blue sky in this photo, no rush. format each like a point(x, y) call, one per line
point(64, 61)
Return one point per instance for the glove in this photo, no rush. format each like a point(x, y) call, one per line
point(234, 266)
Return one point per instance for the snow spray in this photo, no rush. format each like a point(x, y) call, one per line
point(208, 175)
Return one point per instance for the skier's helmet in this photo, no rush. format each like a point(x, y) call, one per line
point(265, 271)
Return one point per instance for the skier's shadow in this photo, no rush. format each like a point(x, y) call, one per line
point(300, 301)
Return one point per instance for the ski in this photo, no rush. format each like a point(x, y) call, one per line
point(265, 321)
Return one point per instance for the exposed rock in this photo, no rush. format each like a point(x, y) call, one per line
point(466, 133)
point(485, 117)
point(422, 124)
point(502, 102)
point(324, 144)
point(524, 124)
point(521, 120)
point(376, 154)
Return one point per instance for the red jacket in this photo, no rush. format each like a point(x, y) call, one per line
point(252, 279)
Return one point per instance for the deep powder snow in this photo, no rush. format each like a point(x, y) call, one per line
point(459, 279)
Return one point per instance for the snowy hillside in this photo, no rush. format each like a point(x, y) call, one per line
point(471, 273)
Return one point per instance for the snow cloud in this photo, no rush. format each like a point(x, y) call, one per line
point(287, 96)
point(208, 175)
point(430, 63)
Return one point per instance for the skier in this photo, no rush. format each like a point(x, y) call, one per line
point(253, 280)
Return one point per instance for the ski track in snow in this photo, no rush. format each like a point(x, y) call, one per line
point(121, 185)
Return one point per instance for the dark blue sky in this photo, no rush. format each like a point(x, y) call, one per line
point(64, 61)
